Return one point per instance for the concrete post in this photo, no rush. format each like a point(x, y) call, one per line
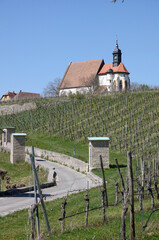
point(98, 146)
point(17, 147)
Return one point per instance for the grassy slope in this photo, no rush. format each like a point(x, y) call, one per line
point(75, 226)
point(130, 120)
point(60, 145)
point(20, 172)
point(57, 143)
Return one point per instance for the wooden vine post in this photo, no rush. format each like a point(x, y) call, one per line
point(116, 192)
point(36, 200)
point(124, 193)
point(121, 177)
point(104, 183)
point(131, 195)
point(103, 205)
point(87, 209)
point(63, 214)
point(142, 174)
point(31, 211)
point(40, 194)
point(125, 209)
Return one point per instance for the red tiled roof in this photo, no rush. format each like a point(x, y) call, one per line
point(26, 95)
point(10, 94)
point(80, 74)
point(119, 69)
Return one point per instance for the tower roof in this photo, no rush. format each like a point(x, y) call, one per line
point(117, 50)
point(118, 69)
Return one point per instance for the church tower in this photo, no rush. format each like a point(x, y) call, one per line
point(116, 55)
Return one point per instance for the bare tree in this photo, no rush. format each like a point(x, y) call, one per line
point(52, 88)
point(91, 82)
point(116, 0)
point(134, 86)
point(139, 87)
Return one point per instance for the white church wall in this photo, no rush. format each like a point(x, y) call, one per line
point(112, 81)
point(105, 80)
point(66, 91)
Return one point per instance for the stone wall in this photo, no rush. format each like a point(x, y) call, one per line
point(60, 158)
point(15, 108)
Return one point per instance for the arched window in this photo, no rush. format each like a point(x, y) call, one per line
point(120, 85)
point(126, 85)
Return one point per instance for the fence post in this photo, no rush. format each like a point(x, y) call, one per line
point(40, 195)
point(35, 195)
point(30, 211)
point(63, 214)
point(121, 177)
point(87, 209)
point(31, 215)
point(103, 205)
point(116, 193)
point(155, 178)
point(139, 189)
point(131, 195)
point(104, 183)
point(142, 174)
point(125, 209)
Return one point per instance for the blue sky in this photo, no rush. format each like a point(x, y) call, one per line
point(38, 39)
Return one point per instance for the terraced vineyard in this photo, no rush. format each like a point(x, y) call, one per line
point(130, 120)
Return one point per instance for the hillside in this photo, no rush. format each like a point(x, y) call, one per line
point(130, 120)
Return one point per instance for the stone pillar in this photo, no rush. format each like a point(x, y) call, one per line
point(6, 135)
point(17, 147)
point(98, 146)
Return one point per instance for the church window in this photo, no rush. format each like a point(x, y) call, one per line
point(126, 85)
point(120, 85)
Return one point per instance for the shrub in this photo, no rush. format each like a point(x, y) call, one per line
point(79, 96)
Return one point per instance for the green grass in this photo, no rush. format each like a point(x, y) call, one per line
point(20, 172)
point(15, 226)
point(59, 145)
point(74, 226)
point(130, 118)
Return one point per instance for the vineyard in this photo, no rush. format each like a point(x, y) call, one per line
point(130, 121)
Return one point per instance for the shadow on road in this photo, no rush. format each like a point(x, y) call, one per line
point(40, 160)
point(24, 195)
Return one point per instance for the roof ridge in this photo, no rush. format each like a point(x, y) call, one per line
point(89, 60)
point(65, 74)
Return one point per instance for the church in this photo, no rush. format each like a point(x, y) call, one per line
point(96, 76)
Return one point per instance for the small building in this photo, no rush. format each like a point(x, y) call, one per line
point(26, 96)
point(95, 75)
point(6, 136)
point(98, 146)
point(8, 96)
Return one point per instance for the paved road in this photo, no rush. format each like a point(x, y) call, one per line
point(69, 181)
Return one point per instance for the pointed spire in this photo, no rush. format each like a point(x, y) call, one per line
point(116, 41)
point(116, 54)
